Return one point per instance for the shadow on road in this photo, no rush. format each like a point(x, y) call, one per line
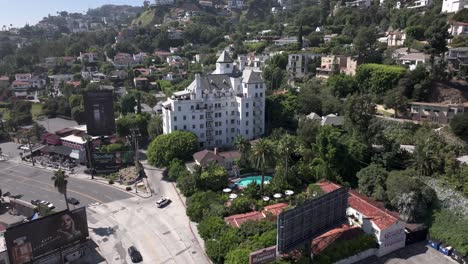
point(103, 231)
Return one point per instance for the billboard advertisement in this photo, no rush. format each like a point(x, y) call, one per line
point(112, 160)
point(305, 222)
point(263, 256)
point(32, 240)
point(99, 111)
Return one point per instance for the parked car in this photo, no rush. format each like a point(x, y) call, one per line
point(19, 146)
point(163, 201)
point(72, 200)
point(48, 204)
point(35, 202)
point(26, 147)
point(445, 249)
point(458, 257)
point(434, 244)
point(134, 254)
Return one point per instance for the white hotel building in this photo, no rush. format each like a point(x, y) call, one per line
point(218, 106)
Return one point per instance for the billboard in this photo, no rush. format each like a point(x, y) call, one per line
point(305, 222)
point(263, 256)
point(32, 240)
point(99, 111)
point(112, 160)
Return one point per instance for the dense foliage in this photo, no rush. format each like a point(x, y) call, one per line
point(164, 148)
point(450, 228)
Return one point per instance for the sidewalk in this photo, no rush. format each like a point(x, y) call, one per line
point(97, 179)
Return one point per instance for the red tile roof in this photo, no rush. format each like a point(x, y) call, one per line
point(371, 209)
point(345, 232)
point(4, 78)
point(239, 219)
point(233, 154)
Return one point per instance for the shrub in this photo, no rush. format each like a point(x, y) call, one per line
point(128, 188)
point(176, 145)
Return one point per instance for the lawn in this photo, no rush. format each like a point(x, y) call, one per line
point(36, 110)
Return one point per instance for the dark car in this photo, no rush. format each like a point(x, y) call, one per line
point(35, 202)
point(134, 254)
point(73, 201)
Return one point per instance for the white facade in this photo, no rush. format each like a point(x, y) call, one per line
point(218, 106)
point(420, 3)
point(452, 6)
point(359, 3)
point(297, 64)
point(164, 2)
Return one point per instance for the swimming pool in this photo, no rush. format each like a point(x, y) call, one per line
point(247, 180)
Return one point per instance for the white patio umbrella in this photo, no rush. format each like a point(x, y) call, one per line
point(227, 190)
point(277, 195)
point(266, 198)
point(289, 192)
point(232, 196)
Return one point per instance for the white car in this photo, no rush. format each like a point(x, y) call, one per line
point(48, 204)
point(163, 201)
point(25, 147)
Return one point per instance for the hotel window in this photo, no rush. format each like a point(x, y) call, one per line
point(185, 118)
point(179, 108)
point(193, 117)
point(175, 118)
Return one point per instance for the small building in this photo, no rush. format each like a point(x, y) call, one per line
point(396, 38)
point(452, 6)
point(336, 64)
point(420, 4)
point(458, 28)
point(4, 81)
point(412, 60)
point(226, 159)
point(327, 38)
point(457, 57)
point(313, 116)
point(269, 212)
point(332, 120)
point(374, 219)
point(298, 64)
point(440, 113)
point(359, 3)
point(140, 82)
point(88, 57)
point(400, 52)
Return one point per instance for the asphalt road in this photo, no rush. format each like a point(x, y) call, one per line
point(29, 183)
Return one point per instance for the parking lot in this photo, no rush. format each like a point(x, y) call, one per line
point(417, 253)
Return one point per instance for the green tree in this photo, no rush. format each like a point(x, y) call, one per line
point(359, 111)
point(263, 154)
point(60, 183)
point(396, 100)
point(212, 228)
point(199, 204)
point(187, 184)
point(241, 205)
point(214, 177)
point(364, 42)
point(176, 168)
point(437, 35)
point(372, 181)
point(237, 256)
point(244, 147)
point(378, 78)
point(411, 197)
point(459, 125)
point(164, 148)
point(155, 127)
point(341, 85)
point(286, 147)
point(127, 104)
point(217, 249)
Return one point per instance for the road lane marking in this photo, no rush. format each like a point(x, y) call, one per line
point(52, 186)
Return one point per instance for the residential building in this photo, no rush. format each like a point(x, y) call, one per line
point(20, 85)
point(374, 219)
point(269, 212)
point(4, 81)
point(236, 4)
point(298, 64)
point(163, 2)
point(219, 106)
point(452, 6)
point(225, 159)
point(205, 3)
point(25, 77)
point(332, 120)
point(252, 61)
point(59, 78)
point(420, 4)
point(174, 34)
point(412, 60)
point(140, 82)
point(25, 81)
point(400, 52)
point(140, 57)
point(328, 38)
point(287, 41)
point(457, 57)
point(88, 57)
point(122, 60)
point(396, 38)
point(440, 113)
point(359, 3)
point(336, 64)
point(458, 28)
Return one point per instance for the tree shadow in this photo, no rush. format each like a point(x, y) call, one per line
point(103, 231)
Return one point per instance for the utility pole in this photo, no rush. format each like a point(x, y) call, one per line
point(135, 132)
point(30, 148)
point(89, 155)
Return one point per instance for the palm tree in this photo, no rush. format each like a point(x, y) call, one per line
point(60, 183)
point(263, 154)
point(243, 146)
point(286, 147)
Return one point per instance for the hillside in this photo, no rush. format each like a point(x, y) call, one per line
point(156, 15)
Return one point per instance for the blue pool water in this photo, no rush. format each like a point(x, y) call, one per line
point(257, 179)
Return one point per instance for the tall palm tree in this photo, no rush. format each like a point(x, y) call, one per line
point(263, 154)
point(286, 147)
point(60, 183)
point(243, 146)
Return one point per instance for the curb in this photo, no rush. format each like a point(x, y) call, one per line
point(189, 224)
point(100, 181)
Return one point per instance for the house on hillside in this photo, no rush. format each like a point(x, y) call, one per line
point(298, 64)
point(457, 57)
point(225, 159)
point(420, 4)
point(396, 38)
point(373, 218)
point(458, 28)
point(336, 64)
point(359, 3)
point(440, 113)
point(412, 60)
point(453, 6)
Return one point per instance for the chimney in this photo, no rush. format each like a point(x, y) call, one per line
point(216, 151)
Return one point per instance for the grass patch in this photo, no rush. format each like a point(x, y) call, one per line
point(36, 110)
point(5, 113)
